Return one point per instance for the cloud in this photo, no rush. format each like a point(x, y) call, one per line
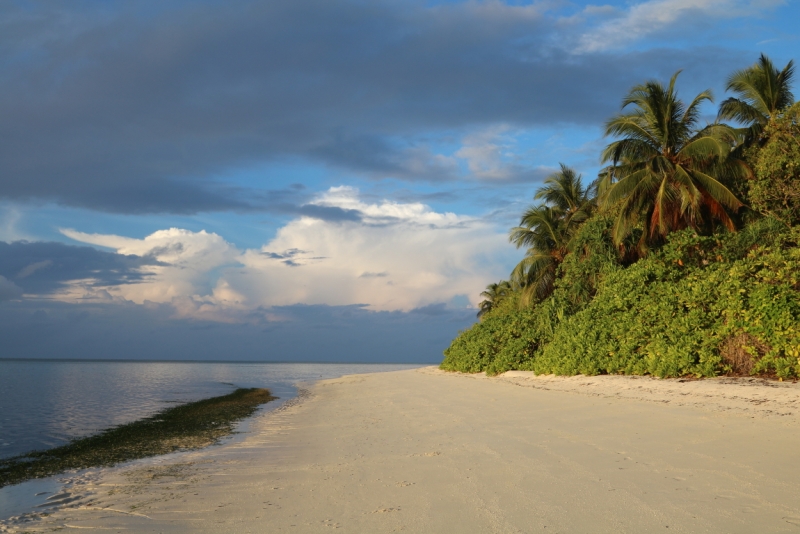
point(492, 155)
point(396, 256)
point(50, 268)
point(644, 19)
point(138, 110)
point(368, 274)
point(9, 219)
point(431, 309)
point(9, 290)
point(177, 247)
point(328, 213)
point(181, 262)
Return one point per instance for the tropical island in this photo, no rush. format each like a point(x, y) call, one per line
point(680, 259)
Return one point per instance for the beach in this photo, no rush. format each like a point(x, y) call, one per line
point(423, 450)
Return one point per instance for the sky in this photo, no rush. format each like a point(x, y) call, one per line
point(312, 180)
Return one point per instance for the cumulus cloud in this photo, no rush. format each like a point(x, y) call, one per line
point(396, 256)
point(184, 261)
point(400, 256)
point(199, 251)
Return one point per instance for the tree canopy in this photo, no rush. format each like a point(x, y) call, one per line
point(762, 92)
point(670, 174)
point(655, 267)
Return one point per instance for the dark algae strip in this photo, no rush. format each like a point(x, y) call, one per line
point(188, 426)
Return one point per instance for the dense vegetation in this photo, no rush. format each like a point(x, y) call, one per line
point(681, 259)
point(188, 426)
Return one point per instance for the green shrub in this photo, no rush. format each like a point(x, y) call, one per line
point(775, 190)
point(700, 306)
point(504, 339)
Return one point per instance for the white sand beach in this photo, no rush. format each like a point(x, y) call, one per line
point(428, 451)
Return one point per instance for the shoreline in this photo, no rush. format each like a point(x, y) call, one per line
point(438, 451)
point(187, 426)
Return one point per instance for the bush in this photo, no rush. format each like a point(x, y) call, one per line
point(700, 306)
point(775, 191)
point(506, 338)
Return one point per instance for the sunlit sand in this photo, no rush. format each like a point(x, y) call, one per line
point(427, 451)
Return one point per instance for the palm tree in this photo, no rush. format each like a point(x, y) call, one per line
point(563, 190)
point(494, 294)
point(546, 229)
point(763, 91)
point(668, 174)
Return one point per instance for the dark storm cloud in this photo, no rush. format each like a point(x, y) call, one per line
point(136, 107)
point(431, 309)
point(42, 268)
point(327, 213)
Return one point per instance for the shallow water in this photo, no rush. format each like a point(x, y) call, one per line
point(46, 403)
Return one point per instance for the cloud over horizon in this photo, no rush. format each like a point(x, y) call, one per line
point(396, 257)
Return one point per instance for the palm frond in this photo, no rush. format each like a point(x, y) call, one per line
point(716, 190)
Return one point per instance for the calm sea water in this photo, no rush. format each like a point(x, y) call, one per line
point(46, 403)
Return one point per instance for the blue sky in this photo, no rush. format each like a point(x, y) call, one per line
point(246, 171)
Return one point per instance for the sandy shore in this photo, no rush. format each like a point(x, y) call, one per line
point(427, 451)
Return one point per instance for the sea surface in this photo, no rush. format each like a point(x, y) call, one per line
point(46, 403)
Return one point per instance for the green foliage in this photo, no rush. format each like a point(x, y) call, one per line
point(494, 295)
point(652, 284)
point(592, 255)
point(507, 338)
point(671, 314)
point(762, 92)
point(546, 231)
point(670, 174)
point(775, 191)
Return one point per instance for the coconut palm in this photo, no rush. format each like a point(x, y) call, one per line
point(563, 190)
point(494, 294)
point(763, 91)
point(542, 231)
point(668, 174)
point(546, 229)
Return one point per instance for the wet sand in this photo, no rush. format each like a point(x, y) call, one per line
point(428, 451)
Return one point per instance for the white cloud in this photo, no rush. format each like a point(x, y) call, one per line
point(492, 154)
point(188, 258)
point(198, 250)
point(646, 18)
point(399, 256)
